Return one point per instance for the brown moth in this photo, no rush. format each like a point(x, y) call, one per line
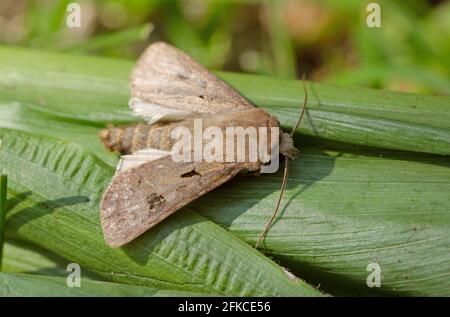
point(169, 90)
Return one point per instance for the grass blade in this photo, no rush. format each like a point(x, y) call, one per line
point(22, 257)
point(19, 285)
point(3, 191)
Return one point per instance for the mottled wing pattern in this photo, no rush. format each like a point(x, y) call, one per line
point(139, 197)
point(167, 84)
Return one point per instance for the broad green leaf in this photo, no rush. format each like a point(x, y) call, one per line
point(22, 257)
point(345, 209)
point(95, 91)
point(345, 206)
point(53, 85)
point(355, 115)
point(21, 117)
point(25, 257)
point(14, 285)
point(58, 186)
point(329, 245)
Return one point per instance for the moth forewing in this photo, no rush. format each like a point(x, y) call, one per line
point(171, 80)
point(142, 196)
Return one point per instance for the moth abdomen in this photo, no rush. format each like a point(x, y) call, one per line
point(126, 139)
point(132, 138)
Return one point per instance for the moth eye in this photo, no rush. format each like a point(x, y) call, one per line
point(202, 97)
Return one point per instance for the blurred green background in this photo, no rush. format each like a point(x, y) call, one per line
point(327, 40)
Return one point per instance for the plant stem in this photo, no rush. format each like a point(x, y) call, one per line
point(3, 187)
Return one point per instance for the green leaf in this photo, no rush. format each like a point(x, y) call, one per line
point(45, 286)
point(22, 117)
point(281, 43)
point(57, 187)
point(51, 83)
point(344, 209)
point(346, 206)
point(355, 115)
point(23, 257)
point(3, 193)
point(95, 91)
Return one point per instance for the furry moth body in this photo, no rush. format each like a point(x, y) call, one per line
point(169, 90)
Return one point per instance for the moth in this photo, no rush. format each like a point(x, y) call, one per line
point(170, 90)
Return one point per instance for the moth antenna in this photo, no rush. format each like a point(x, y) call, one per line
point(286, 169)
point(305, 102)
point(283, 186)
